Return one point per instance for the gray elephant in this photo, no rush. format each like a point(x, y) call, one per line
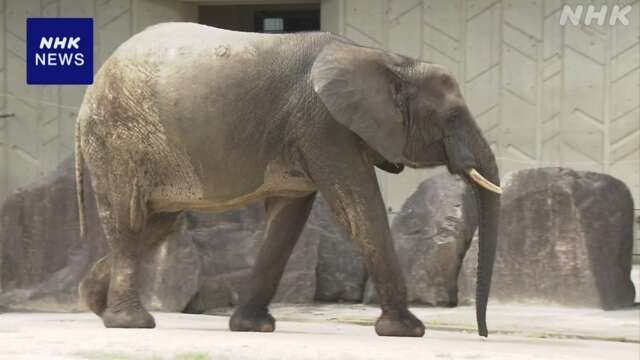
point(189, 117)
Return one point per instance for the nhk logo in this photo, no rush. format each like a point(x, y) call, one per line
point(616, 14)
point(59, 51)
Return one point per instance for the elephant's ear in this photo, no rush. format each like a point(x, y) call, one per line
point(360, 90)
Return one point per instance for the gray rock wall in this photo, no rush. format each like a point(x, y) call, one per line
point(42, 257)
point(202, 266)
point(324, 266)
point(565, 238)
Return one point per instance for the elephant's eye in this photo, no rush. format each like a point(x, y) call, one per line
point(448, 81)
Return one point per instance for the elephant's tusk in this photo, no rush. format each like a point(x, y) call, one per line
point(480, 180)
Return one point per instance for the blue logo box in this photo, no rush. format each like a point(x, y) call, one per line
point(59, 51)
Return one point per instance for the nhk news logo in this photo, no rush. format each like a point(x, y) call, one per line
point(59, 51)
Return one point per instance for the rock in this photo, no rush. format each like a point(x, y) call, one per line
point(237, 236)
point(340, 271)
point(44, 259)
point(219, 291)
point(432, 233)
point(42, 256)
point(170, 273)
point(203, 265)
point(298, 283)
point(227, 243)
point(565, 237)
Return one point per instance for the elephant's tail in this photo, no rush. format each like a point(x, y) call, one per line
point(80, 182)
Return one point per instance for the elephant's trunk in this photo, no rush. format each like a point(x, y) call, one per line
point(469, 153)
point(489, 207)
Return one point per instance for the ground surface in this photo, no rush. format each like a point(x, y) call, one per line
point(332, 332)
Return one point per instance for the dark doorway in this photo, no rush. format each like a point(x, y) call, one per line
point(262, 18)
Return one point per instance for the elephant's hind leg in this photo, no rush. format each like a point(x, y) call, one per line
point(124, 219)
point(285, 220)
point(95, 286)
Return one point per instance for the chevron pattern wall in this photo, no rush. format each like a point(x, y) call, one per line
point(544, 94)
point(40, 134)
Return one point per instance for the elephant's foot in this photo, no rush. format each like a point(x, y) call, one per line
point(246, 318)
point(95, 286)
point(129, 317)
point(399, 323)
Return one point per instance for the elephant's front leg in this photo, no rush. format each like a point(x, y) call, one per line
point(285, 220)
point(355, 198)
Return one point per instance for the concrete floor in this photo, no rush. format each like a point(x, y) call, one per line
point(332, 332)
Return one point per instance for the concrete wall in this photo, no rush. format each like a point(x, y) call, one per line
point(40, 134)
point(544, 94)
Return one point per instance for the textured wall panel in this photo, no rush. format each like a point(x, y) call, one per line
point(482, 42)
point(75, 8)
point(114, 27)
point(446, 16)
point(405, 34)
point(367, 18)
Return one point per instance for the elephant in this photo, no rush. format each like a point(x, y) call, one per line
point(187, 117)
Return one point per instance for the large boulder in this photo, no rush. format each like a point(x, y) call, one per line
point(324, 264)
point(44, 259)
point(565, 237)
point(340, 270)
point(171, 273)
point(432, 233)
point(228, 244)
point(204, 264)
point(41, 256)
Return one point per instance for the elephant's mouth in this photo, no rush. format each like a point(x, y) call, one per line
point(422, 164)
point(480, 180)
point(471, 172)
point(461, 160)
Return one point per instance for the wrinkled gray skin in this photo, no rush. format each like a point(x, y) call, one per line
point(189, 117)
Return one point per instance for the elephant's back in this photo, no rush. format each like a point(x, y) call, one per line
point(173, 37)
point(180, 94)
point(201, 46)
